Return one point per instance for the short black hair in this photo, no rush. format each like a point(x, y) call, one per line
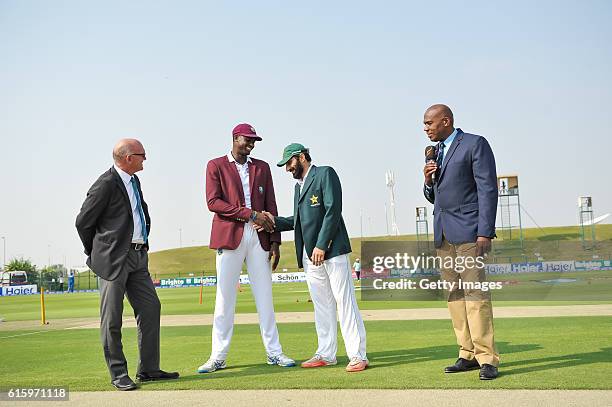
point(307, 156)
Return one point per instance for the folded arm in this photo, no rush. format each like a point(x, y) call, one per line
point(96, 202)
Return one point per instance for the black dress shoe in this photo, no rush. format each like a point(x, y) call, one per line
point(124, 383)
point(488, 372)
point(462, 365)
point(159, 375)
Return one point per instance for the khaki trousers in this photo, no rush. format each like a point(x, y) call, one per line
point(470, 310)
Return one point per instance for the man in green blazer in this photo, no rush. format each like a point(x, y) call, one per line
point(322, 246)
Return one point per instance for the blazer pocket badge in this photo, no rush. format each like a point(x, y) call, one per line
point(260, 189)
point(314, 201)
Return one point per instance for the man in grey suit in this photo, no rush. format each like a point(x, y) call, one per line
point(462, 185)
point(114, 226)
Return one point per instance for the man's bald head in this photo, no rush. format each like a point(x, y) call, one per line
point(439, 122)
point(441, 110)
point(128, 155)
point(125, 147)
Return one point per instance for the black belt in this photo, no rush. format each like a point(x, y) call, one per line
point(137, 246)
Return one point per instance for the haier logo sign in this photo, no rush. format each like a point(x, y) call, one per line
point(527, 267)
point(19, 290)
point(558, 266)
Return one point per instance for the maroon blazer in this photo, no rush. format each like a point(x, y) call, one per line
point(225, 197)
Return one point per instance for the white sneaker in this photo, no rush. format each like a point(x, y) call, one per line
point(211, 365)
point(281, 360)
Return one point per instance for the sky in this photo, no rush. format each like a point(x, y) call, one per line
point(350, 80)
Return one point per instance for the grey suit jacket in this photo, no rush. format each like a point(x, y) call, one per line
point(465, 194)
point(106, 226)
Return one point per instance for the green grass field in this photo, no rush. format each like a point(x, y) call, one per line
point(537, 353)
point(289, 297)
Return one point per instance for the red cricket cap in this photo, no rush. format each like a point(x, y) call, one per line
point(246, 130)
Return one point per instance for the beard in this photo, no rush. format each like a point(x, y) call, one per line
point(299, 170)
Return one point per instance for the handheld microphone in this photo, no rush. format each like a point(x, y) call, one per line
point(430, 155)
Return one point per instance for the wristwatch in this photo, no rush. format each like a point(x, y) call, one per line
point(253, 215)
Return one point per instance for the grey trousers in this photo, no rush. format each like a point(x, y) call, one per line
point(135, 282)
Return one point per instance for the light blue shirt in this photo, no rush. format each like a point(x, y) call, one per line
point(447, 143)
point(137, 236)
point(449, 140)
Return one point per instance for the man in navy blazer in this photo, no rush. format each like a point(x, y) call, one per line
point(462, 184)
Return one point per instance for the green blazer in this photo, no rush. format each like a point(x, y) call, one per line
point(317, 216)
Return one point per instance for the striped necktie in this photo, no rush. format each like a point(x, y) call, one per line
point(140, 211)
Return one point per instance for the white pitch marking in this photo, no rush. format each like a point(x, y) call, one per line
point(15, 336)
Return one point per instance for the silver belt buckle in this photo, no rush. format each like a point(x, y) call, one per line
point(138, 246)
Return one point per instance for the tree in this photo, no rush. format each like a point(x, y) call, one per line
point(55, 270)
point(51, 274)
point(21, 265)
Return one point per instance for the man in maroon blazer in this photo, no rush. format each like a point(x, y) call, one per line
point(238, 189)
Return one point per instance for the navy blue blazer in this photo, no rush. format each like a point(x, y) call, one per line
point(465, 192)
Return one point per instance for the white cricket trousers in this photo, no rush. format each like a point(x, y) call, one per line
point(229, 266)
point(331, 287)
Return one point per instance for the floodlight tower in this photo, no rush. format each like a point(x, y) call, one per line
point(390, 181)
point(587, 224)
point(509, 213)
point(422, 229)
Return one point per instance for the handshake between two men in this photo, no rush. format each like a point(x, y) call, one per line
point(328, 280)
point(264, 221)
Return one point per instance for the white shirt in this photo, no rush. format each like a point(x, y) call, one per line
point(301, 182)
point(243, 171)
point(137, 236)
